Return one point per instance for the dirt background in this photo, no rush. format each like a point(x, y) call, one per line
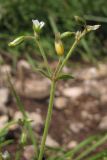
point(80, 105)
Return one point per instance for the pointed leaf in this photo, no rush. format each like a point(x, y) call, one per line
point(43, 72)
point(80, 20)
point(64, 77)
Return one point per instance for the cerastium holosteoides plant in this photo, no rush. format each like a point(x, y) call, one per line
point(54, 76)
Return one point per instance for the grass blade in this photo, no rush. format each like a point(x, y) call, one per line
point(21, 108)
point(98, 156)
point(92, 148)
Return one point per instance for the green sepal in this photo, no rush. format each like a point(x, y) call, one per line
point(67, 34)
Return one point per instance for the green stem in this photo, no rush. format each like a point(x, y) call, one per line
point(44, 56)
point(48, 119)
point(90, 149)
point(57, 68)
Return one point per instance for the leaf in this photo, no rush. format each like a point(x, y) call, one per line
point(43, 72)
point(99, 156)
point(92, 148)
point(5, 143)
point(64, 77)
point(78, 148)
point(80, 20)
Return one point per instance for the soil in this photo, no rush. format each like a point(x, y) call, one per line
point(62, 127)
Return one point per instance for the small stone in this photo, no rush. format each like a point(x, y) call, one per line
point(36, 89)
point(18, 115)
point(76, 127)
point(4, 96)
point(88, 73)
point(23, 64)
point(72, 144)
point(103, 123)
point(51, 142)
point(3, 120)
point(86, 115)
point(29, 152)
point(73, 92)
point(5, 69)
point(104, 98)
point(66, 69)
point(36, 119)
point(97, 117)
point(60, 103)
point(3, 109)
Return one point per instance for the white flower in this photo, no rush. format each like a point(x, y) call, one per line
point(92, 28)
point(38, 25)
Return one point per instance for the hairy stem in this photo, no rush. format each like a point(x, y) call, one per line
point(48, 119)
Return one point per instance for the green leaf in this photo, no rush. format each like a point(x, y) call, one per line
point(64, 77)
point(43, 72)
point(92, 148)
point(80, 20)
point(77, 149)
point(99, 156)
point(5, 143)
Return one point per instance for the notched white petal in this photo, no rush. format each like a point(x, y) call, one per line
point(38, 25)
point(42, 24)
point(92, 28)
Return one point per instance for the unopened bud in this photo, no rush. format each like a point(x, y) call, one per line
point(59, 47)
point(92, 28)
point(17, 41)
point(67, 34)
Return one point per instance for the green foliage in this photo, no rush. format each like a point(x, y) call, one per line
point(16, 16)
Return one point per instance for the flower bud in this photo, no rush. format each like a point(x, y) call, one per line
point(17, 41)
point(59, 47)
point(92, 28)
point(67, 34)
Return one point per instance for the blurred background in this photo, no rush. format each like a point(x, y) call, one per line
point(16, 19)
point(80, 107)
